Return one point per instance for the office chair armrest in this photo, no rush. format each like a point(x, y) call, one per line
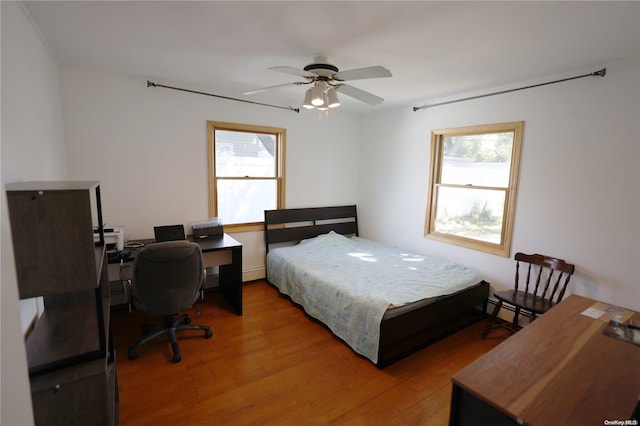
point(125, 279)
point(204, 281)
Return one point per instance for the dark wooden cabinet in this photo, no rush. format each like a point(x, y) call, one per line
point(71, 360)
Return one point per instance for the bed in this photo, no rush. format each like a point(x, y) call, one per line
point(316, 258)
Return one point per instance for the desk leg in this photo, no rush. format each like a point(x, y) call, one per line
point(231, 280)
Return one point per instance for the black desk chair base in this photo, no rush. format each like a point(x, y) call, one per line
point(170, 327)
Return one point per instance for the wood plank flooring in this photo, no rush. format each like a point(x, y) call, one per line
point(276, 366)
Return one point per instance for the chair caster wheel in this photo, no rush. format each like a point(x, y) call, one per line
point(133, 355)
point(208, 334)
point(177, 358)
point(186, 320)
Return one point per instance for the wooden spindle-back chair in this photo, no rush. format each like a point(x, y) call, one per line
point(545, 282)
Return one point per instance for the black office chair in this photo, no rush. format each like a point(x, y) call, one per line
point(166, 280)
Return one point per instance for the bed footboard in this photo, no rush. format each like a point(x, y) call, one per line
point(407, 333)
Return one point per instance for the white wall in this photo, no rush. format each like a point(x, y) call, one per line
point(579, 192)
point(32, 149)
point(148, 147)
point(579, 196)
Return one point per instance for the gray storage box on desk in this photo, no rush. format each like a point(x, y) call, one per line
point(209, 229)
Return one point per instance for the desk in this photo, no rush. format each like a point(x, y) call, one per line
point(230, 271)
point(560, 369)
point(224, 252)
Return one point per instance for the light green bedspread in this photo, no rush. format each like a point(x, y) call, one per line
point(349, 283)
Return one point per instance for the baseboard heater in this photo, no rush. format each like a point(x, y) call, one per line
point(510, 308)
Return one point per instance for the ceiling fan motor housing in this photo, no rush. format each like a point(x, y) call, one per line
point(324, 70)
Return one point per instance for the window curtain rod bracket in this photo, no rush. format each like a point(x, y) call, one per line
point(152, 84)
point(599, 73)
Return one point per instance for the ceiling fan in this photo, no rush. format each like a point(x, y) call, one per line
point(326, 79)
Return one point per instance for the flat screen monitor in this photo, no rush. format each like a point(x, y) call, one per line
point(169, 233)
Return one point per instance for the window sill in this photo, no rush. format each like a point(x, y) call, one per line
point(244, 227)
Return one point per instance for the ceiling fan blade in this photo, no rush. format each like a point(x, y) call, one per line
point(359, 94)
point(362, 73)
point(294, 71)
point(254, 91)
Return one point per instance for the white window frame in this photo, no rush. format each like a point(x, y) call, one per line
point(437, 139)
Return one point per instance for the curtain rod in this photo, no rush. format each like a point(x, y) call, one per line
point(152, 84)
point(600, 73)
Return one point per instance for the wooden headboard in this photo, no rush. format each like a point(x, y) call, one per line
point(294, 225)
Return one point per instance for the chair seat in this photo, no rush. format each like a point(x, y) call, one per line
point(526, 301)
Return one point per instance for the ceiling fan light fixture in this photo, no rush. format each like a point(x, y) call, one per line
point(307, 99)
point(332, 98)
point(325, 103)
point(317, 96)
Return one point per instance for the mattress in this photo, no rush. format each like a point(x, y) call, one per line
point(350, 283)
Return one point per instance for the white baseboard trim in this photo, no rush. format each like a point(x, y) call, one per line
point(252, 274)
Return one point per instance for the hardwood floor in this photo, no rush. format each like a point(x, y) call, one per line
point(275, 365)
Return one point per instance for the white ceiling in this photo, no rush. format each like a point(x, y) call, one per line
point(433, 49)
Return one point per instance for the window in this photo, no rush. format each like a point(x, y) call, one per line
point(246, 173)
point(473, 182)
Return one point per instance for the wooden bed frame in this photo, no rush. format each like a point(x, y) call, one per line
point(400, 335)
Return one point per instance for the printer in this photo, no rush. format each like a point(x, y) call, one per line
point(211, 228)
point(113, 238)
